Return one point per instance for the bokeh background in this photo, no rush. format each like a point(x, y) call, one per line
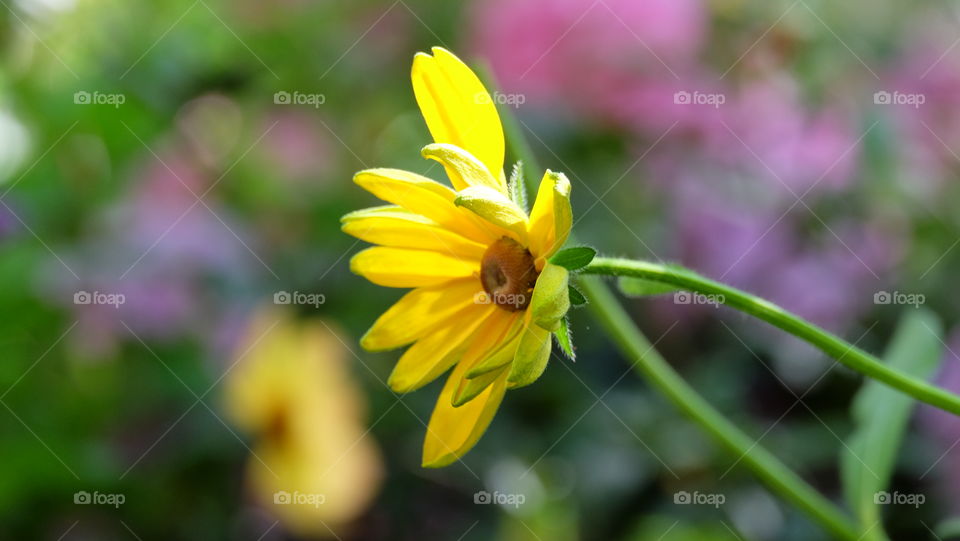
point(167, 169)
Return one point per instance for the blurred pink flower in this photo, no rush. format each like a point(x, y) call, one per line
point(573, 41)
point(166, 194)
point(926, 134)
point(826, 279)
point(647, 103)
point(297, 148)
point(833, 280)
point(768, 134)
point(725, 242)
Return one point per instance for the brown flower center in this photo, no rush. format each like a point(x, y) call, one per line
point(277, 429)
point(508, 274)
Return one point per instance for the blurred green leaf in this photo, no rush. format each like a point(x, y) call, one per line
point(668, 528)
point(948, 529)
point(881, 414)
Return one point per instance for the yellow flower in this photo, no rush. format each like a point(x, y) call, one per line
point(314, 464)
point(486, 298)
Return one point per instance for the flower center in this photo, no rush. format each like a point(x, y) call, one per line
point(508, 274)
point(278, 426)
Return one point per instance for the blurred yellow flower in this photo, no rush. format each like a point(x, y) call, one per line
point(314, 466)
point(486, 298)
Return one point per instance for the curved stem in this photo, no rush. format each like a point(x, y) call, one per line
point(829, 343)
point(646, 360)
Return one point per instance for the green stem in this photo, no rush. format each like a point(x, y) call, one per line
point(766, 466)
point(829, 343)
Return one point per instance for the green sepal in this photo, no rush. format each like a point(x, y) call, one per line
point(551, 297)
point(563, 336)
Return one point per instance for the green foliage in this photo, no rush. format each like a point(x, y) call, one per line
point(948, 529)
point(881, 414)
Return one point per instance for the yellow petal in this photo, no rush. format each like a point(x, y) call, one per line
point(437, 352)
point(551, 216)
point(426, 197)
point(419, 311)
point(551, 297)
point(455, 430)
point(496, 208)
point(463, 168)
point(457, 108)
point(531, 358)
point(400, 267)
point(400, 228)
